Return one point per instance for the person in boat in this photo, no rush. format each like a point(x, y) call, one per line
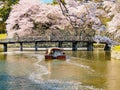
point(56, 53)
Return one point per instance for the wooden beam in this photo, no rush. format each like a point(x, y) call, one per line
point(60, 44)
point(36, 47)
point(5, 47)
point(107, 47)
point(21, 46)
point(74, 46)
point(89, 46)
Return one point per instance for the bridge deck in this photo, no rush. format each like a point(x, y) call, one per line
point(21, 41)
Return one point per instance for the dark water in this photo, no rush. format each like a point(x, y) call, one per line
point(83, 70)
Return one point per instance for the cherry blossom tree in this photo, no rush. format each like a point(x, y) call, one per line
point(78, 18)
point(84, 17)
point(34, 18)
point(113, 9)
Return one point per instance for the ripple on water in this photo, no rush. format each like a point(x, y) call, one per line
point(36, 82)
point(8, 82)
point(63, 85)
point(41, 70)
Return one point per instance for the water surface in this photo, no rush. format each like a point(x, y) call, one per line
point(83, 70)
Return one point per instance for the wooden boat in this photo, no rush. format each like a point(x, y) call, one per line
point(55, 53)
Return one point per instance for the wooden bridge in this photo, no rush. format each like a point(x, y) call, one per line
point(40, 40)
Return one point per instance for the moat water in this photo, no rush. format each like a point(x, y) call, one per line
point(83, 70)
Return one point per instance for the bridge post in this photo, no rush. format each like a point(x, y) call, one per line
point(74, 46)
point(89, 46)
point(21, 46)
point(5, 47)
point(36, 47)
point(107, 47)
point(60, 44)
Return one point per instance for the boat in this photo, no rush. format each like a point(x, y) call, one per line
point(55, 53)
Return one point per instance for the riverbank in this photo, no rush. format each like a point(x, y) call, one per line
point(3, 36)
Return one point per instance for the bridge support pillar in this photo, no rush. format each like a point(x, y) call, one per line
point(5, 47)
point(89, 46)
point(74, 46)
point(21, 46)
point(60, 44)
point(36, 47)
point(107, 47)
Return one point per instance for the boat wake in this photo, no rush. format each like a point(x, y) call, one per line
point(52, 84)
point(80, 65)
point(63, 85)
point(40, 70)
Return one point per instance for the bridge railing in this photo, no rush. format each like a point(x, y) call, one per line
point(47, 38)
point(24, 39)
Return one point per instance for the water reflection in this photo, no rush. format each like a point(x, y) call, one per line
point(113, 78)
point(107, 55)
point(98, 54)
point(85, 70)
point(3, 56)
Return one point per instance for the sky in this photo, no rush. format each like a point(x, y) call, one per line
point(47, 1)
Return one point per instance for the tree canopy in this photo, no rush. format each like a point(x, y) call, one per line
point(81, 18)
point(4, 12)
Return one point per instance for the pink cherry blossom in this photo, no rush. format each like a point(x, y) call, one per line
point(34, 18)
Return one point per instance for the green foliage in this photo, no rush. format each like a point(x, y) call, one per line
point(4, 12)
point(98, 45)
point(104, 20)
point(54, 2)
point(3, 36)
point(116, 48)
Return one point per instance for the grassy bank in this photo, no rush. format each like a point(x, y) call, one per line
point(98, 45)
point(3, 36)
point(116, 48)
